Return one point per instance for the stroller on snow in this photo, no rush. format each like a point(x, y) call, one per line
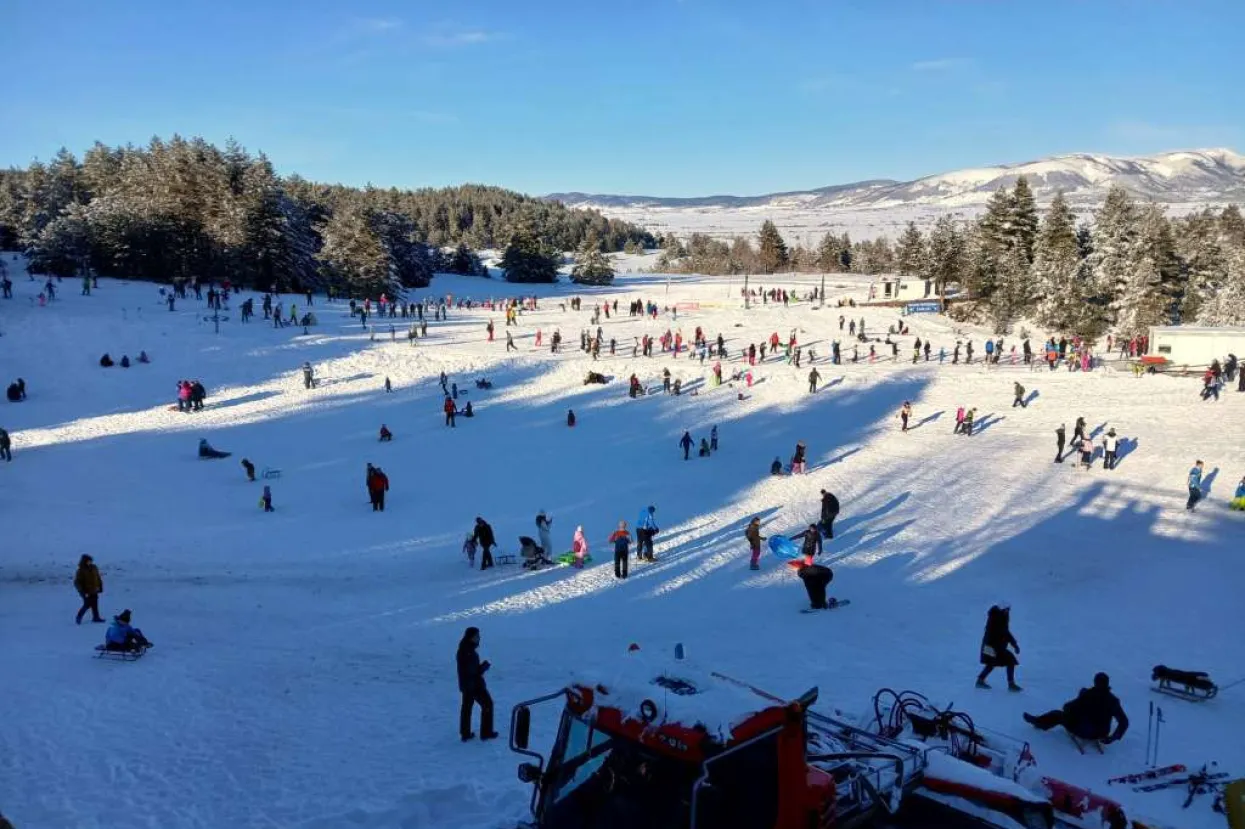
point(533, 554)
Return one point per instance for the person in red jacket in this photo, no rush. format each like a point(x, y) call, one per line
point(449, 411)
point(377, 486)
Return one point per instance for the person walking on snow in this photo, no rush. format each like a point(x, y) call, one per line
point(89, 585)
point(377, 486)
point(813, 377)
point(1061, 435)
point(959, 421)
point(829, 511)
point(905, 413)
point(994, 646)
point(1087, 452)
point(713, 439)
point(579, 546)
point(265, 500)
point(754, 537)
point(544, 529)
point(969, 416)
point(6, 444)
point(1195, 485)
point(686, 442)
point(1110, 448)
point(472, 687)
point(621, 539)
point(1078, 431)
point(645, 529)
point(487, 541)
point(1020, 397)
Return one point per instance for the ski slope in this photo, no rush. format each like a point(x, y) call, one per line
point(303, 674)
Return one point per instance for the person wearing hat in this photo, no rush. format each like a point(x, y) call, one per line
point(1110, 446)
point(753, 534)
point(473, 688)
point(89, 585)
point(487, 541)
point(994, 646)
point(121, 636)
point(645, 529)
point(1089, 716)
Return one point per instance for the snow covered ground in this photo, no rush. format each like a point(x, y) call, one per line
point(304, 668)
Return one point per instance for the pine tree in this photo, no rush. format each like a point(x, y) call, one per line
point(1227, 305)
point(828, 254)
point(355, 255)
point(772, 250)
point(1232, 226)
point(1056, 274)
point(1023, 226)
point(911, 256)
point(1199, 246)
point(946, 251)
point(465, 262)
point(1012, 295)
point(592, 267)
point(1114, 258)
point(1152, 279)
point(990, 240)
point(526, 259)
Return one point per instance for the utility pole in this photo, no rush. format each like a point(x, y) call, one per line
point(747, 304)
point(823, 291)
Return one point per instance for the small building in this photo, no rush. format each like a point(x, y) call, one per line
point(1195, 346)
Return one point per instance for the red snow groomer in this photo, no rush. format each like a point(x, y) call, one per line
point(673, 750)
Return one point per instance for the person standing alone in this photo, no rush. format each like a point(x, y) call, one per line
point(994, 647)
point(753, 534)
point(89, 585)
point(621, 539)
point(1195, 485)
point(472, 687)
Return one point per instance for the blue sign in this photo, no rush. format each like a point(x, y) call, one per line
point(921, 308)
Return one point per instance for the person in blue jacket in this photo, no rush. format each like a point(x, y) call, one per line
point(1195, 485)
point(645, 529)
point(122, 636)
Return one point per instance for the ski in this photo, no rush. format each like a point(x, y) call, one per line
point(1181, 781)
point(1148, 774)
point(833, 604)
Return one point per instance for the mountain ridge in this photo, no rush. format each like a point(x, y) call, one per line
point(1178, 176)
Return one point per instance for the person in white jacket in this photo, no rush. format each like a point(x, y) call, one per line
point(544, 526)
point(1110, 445)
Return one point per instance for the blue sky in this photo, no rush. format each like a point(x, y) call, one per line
point(660, 97)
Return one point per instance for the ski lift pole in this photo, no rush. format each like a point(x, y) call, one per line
point(1149, 730)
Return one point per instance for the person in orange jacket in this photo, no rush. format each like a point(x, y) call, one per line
point(449, 412)
point(377, 486)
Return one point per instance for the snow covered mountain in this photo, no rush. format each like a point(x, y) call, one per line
point(1184, 177)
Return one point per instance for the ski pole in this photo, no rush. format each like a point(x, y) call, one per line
point(1158, 728)
point(1149, 729)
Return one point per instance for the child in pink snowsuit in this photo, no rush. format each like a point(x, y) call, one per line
point(579, 546)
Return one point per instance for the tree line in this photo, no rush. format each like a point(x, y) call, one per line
point(1131, 267)
point(184, 208)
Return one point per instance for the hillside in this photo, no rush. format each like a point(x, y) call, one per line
point(1174, 178)
point(304, 670)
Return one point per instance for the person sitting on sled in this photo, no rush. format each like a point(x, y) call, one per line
point(385, 434)
point(1089, 716)
point(775, 468)
point(532, 554)
point(579, 546)
point(121, 636)
point(704, 448)
point(1238, 500)
point(468, 411)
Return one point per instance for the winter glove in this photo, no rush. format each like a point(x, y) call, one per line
point(485, 665)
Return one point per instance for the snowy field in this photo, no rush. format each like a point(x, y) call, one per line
point(303, 674)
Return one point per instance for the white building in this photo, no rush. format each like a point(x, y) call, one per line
point(1195, 346)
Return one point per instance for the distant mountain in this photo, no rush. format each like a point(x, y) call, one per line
point(1193, 176)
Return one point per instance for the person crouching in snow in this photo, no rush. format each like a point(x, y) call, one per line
point(579, 546)
point(754, 537)
point(265, 500)
point(385, 434)
point(570, 417)
point(121, 636)
point(775, 468)
point(994, 647)
point(704, 448)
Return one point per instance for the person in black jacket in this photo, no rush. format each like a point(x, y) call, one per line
point(1089, 716)
point(994, 647)
point(829, 511)
point(812, 543)
point(485, 538)
point(473, 688)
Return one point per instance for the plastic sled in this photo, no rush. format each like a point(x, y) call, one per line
point(101, 652)
point(569, 559)
point(784, 548)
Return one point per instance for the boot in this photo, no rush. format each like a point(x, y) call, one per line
point(981, 683)
point(1011, 686)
